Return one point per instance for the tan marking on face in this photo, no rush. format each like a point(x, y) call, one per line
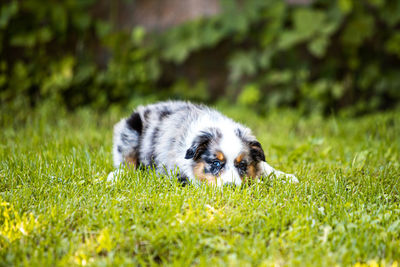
point(220, 156)
point(198, 171)
point(251, 171)
point(132, 161)
point(239, 158)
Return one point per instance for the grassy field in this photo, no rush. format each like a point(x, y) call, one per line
point(56, 207)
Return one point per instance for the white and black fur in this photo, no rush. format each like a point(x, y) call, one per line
point(198, 142)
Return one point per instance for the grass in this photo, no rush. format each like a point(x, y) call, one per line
point(57, 209)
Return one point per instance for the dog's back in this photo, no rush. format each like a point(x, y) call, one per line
point(154, 134)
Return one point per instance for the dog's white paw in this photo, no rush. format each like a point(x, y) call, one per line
point(286, 177)
point(113, 176)
point(110, 177)
point(291, 178)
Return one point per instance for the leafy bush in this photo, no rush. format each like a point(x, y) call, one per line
point(329, 55)
point(50, 52)
point(325, 56)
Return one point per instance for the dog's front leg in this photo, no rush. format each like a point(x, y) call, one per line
point(267, 170)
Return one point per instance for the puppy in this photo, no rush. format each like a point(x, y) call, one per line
point(197, 142)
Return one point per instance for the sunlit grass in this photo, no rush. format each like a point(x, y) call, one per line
point(57, 208)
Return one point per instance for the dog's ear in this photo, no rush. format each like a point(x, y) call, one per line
point(199, 145)
point(256, 151)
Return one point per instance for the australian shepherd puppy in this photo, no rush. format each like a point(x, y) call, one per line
point(194, 141)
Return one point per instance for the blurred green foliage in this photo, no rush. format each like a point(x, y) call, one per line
point(325, 56)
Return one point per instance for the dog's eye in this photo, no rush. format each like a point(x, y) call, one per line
point(242, 168)
point(216, 163)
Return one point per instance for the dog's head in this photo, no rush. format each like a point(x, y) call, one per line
point(224, 157)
